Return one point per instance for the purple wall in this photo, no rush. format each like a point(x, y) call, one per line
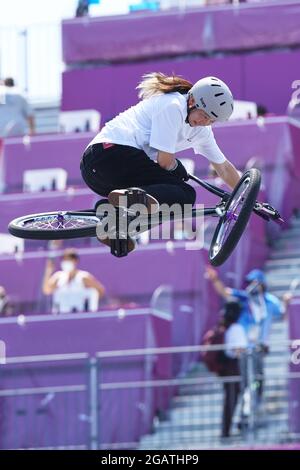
point(169, 33)
point(51, 151)
point(105, 331)
point(16, 205)
point(111, 89)
point(275, 142)
point(116, 98)
point(191, 306)
point(62, 334)
point(195, 305)
point(271, 143)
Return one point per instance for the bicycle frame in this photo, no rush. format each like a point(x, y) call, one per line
point(147, 221)
point(211, 188)
point(101, 215)
point(195, 212)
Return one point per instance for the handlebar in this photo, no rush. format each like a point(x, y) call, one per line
point(262, 209)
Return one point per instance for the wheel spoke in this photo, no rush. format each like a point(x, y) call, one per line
point(231, 216)
point(59, 222)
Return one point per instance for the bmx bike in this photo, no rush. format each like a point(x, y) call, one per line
point(233, 210)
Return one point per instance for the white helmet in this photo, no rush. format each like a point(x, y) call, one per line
point(214, 97)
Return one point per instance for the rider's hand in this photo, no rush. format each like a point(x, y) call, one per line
point(211, 274)
point(180, 171)
point(286, 298)
point(50, 264)
point(267, 212)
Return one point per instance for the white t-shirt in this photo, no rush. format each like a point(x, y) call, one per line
point(235, 338)
point(158, 123)
point(70, 295)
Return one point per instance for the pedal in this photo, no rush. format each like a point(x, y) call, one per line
point(119, 243)
point(119, 247)
point(126, 198)
point(136, 196)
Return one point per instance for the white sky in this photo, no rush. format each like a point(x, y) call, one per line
point(26, 12)
point(35, 71)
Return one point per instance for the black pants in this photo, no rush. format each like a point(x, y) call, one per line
point(120, 166)
point(231, 395)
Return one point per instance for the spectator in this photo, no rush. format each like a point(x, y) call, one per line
point(235, 343)
point(15, 111)
point(259, 308)
point(6, 308)
point(261, 110)
point(70, 287)
point(82, 8)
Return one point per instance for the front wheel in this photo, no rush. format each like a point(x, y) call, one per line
point(55, 225)
point(237, 212)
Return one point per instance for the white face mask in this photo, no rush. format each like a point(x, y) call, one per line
point(67, 266)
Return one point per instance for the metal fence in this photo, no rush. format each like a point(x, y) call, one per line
point(133, 400)
point(45, 402)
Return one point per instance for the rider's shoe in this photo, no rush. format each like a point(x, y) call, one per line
point(129, 196)
point(131, 244)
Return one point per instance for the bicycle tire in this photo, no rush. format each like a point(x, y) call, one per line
point(17, 227)
point(219, 257)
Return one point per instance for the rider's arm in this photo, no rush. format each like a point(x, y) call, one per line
point(50, 279)
point(31, 125)
point(219, 287)
point(91, 282)
point(166, 160)
point(228, 173)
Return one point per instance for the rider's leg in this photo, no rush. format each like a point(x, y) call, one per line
point(120, 167)
point(103, 190)
point(181, 193)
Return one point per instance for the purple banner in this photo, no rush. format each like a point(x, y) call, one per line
point(294, 382)
point(144, 36)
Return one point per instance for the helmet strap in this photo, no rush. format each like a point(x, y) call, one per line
point(189, 110)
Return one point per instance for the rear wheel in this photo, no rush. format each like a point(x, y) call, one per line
point(55, 225)
point(232, 224)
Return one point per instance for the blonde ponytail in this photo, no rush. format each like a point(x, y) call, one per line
point(157, 83)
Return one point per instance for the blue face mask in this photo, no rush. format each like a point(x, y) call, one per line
point(254, 288)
